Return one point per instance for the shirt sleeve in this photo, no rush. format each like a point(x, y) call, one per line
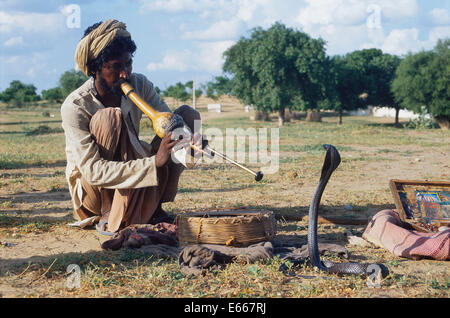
point(84, 152)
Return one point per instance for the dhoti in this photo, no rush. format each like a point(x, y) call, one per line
point(123, 207)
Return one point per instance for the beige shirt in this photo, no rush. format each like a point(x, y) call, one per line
point(83, 158)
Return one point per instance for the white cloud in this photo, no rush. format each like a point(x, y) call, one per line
point(37, 64)
point(439, 16)
point(210, 57)
point(341, 23)
point(246, 9)
point(205, 57)
point(177, 5)
point(402, 41)
point(340, 38)
point(326, 12)
point(14, 41)
point(399, 9)
point(349, 25)
point(252, 12)
point(353, 12)
point(437, 33)
point(265, 13)
point(173, 61)
point(345, 25)
point(29, 66)
point(31, 22)
point(221, 30)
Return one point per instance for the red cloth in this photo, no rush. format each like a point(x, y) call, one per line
point(387, 230)
point(137, 235)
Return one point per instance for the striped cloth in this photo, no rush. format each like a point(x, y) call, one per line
point(386, 230)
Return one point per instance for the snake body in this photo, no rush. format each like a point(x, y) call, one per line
point(332, 161)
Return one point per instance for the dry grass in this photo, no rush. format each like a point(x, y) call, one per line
point(35, 207)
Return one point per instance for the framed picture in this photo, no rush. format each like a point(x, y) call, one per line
point(425, 205)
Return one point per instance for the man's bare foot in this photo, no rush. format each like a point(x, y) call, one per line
point(161, 216)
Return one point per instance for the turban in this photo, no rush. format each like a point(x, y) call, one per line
point(93, 43)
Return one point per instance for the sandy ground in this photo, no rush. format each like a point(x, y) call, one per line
point(24, 248)
point(66, 239)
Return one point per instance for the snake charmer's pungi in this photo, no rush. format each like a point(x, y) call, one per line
point(112, 174)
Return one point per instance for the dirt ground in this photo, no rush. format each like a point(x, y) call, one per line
point(57, 207)
point(38, 195)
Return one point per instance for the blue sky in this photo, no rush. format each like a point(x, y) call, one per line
point(182, 40)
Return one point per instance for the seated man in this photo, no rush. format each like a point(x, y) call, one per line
point(111, 173)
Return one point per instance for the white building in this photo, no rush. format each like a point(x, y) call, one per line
point(385, 112)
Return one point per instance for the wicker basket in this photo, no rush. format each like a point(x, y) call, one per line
point(226, 227)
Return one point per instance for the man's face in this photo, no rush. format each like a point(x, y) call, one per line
point(113, 71)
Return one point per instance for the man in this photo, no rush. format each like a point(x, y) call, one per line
point(113, 176)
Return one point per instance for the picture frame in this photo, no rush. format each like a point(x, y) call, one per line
point(423, 204)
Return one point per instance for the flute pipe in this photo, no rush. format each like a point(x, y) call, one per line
point(158, 118)
point(258, 175)
point(232, 161)
point(226, 158)
point(137, 100)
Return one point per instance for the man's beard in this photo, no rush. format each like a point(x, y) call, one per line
point(115, 90)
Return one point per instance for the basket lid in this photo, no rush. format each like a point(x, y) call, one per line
point(234, 227)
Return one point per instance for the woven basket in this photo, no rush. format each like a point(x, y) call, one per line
point(226, 227)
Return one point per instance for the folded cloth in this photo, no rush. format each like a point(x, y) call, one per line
point(196, 259)
point(137, 235)
point(388, 231)
point(160, 251)
point(160, 240)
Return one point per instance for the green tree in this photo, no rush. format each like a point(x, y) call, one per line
point(210, 91)
point(19, 93)
point(363, 78)
point(70, 81)
point(189, 87)
point(178, 91)
point(383, 74)
point(344, 88)
point(222, 85)
point(278, 68)
point(422, 82)
point(52, 94)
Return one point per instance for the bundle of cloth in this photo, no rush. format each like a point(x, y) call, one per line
point(385, 230)
point(160, 240)
point(388, 231)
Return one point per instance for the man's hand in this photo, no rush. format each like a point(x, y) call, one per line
point(197, 142)
point(165, 148)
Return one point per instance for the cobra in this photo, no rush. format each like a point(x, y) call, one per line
point(331, 162)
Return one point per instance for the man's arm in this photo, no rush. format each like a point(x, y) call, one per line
point(97, 171)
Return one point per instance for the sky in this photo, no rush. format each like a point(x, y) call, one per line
point(183, 40)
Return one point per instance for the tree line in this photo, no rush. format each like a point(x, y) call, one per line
point(19, 94)
point(281, 68)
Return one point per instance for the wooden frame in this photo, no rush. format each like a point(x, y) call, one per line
point(422, 204)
